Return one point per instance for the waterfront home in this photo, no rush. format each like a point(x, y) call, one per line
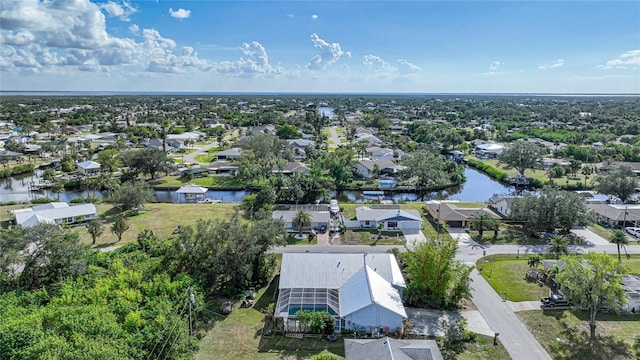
point(454, 216)
point(367, 168)
point(60, 213)
point(223, 168)
point(9, 155)
point(362, 291)
point(488, 150)
point(502, 204)
point(191, 194)
point(292, 168)
point(388, 218)
point(376, 152)
point(88, 168)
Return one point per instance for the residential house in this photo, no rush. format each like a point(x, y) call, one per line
point(88, 167)
point(370, 139)
point(389, 218)
point(300, 147)
point(625, 215)
point(191, 194)
point(362, 291)
point(502, 204)
point(318, 219)
point(292, 168)
point(488, 150)
point(230, 154)
point(387, 348)
point(376, 152)
point(367, 168)
point(223, 168)
point(264, 129)
point(60, 213)
point(608, 165)
point(9, 155)
point(157, 144)
point(454, 216)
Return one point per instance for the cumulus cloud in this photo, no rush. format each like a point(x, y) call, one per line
point(410, 66)
point(493, 67)
point(553, 65)
point(314, 16)
point(57, 34)
point(629, 58)
point(329, 53)
point(121, 11)
point(373, 63)
point(180, 13)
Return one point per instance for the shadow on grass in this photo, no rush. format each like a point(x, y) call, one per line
point(573, 341)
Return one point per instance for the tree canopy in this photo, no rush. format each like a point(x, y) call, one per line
point(521, 155)
point(594, 283)
point(131, 195)
point(619, 181)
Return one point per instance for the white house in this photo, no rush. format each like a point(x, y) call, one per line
point(366, 167)
point(362, 291)
point(376, 152)
point(631, 287)
point(488, 150)
point(391, 219)
point(88, 167)
point(502, 203)
point(54, 213)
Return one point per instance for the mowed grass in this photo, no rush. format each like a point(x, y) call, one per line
point(565, 334)
point(161, 218)
point(539, 174)
point(483, 349)
point(506, 274)
point(211, 181)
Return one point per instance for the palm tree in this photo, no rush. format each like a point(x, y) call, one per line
point(301, 220)
point(620, 239)
point(481, 221)
point(558, 245)
point(534, 261)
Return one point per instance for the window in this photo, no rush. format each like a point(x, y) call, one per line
point(392, 224)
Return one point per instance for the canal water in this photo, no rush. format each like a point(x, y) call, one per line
point(478, 187)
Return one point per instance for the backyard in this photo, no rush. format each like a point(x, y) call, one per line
point(565, 334)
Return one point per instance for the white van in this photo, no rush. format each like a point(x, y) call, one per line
point(334, 208)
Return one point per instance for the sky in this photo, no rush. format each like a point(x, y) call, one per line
point(320, 46)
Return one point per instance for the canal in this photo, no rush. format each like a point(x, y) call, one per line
point(478, 188)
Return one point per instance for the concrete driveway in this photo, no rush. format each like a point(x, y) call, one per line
point(427, 321)
point(413, 237)
point(590, 236)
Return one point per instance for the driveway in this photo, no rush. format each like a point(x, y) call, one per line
point(413, 237)
point(427, 321)
point(335, 138)
point(590, 236)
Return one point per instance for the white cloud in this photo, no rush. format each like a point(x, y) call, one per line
point(134, 28)
point(314, 16)
point(554, 65)
point(410, 66)
point(376, 64)
point(121, 11)
point(329, 53)
point(493, 67)
point(630, 58)
point(180, 13)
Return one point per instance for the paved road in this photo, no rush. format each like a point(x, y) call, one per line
point(335, 138)
point(191, 157)
point(515, 337)
point(590, 236)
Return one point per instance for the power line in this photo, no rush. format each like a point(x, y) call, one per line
point(160, 339)
point(172, 329)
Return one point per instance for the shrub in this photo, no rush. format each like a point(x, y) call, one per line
point(42, 200)
point(325, 357)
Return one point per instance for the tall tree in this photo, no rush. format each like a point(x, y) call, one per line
point(481, 221)
point(521, 155)
point(619, 181)
point(301, 220)
point(131, 195)
point(95, 229)
point(435, 277)
point(620, 239)
point(593, 282)
point(558, 245)
point(119, 227)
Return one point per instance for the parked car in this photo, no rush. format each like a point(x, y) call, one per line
point(334, 208)
point(555, 300)
point(633, 231)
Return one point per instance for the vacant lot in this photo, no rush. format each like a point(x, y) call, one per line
point(565, 334)
point(162, 218)
point(505, 273)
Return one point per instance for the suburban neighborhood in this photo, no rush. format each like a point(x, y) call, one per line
point(322, 228)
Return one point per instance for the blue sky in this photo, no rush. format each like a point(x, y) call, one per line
point(321, 46)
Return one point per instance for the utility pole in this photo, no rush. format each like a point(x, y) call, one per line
point(191, 301)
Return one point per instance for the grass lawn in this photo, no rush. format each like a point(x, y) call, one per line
point(206, 157)
point(505, 273)
point(538, 174)
point(239, 336)
point(203, 181)
point(291, 240)
point(370, 237)
point(162, 218)
point(483, 349)
point(509, 275)
point(565, 334)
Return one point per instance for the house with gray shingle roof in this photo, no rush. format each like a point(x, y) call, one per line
point(391, 219)
point(387, 348)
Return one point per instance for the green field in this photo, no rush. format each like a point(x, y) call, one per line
point(506, 274)
point(539, 174)
point(565, 334)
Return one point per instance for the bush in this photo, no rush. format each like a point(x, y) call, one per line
point(487, 169)
point(9, 203)
point(77, 200)
point(42, 200)
point(325, 357)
